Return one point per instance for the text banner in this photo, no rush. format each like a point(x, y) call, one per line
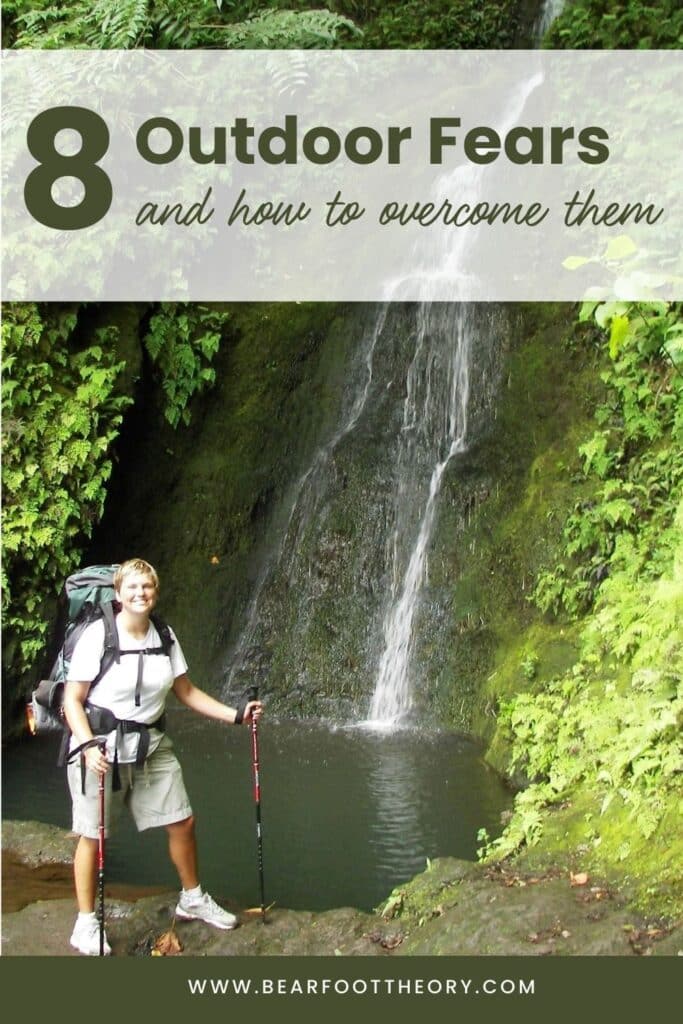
point(335, 176)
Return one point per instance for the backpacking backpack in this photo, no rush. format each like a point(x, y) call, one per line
point(88, 595)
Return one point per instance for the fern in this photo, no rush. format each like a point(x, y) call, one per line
point(611, 726)
point(126, 24)
point(182, 340)
point(62, 413)
point(632, 460)
point(118, 24)
point(275, 30)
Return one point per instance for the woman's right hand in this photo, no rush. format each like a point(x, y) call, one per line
point(95, 760)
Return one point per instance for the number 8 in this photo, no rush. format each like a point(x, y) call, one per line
point(40, 139)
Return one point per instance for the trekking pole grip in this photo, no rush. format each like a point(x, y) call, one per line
point(251, 694)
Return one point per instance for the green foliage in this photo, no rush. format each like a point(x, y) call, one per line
point(61, 415)
point(63, 408)
point(182, 340)
point(281, 30)
point(632, 460)
point(618, 24)
point(249, 24)
point(99, 25)
point(619, 739)
point(407, 24)
point(530, 665)
point(165, 24)
point(611, 725)
point(439, 24)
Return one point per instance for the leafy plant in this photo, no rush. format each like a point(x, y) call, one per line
point(62, 412)
point(611, 725)
point(182, 340)
point(632, 460)
point(280, 30)
point(618, 24)
point(530, 665)
point(165, 24)
point(438, 24)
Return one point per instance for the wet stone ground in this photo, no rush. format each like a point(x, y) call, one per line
point(455, 908)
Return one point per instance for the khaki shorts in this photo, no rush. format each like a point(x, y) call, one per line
point(155, 793)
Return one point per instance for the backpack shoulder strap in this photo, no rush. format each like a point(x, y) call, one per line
point(164, 632)
point(110, 654)
point(111, 651)
point(167, 641)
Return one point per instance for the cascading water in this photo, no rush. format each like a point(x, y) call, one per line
point(340, 595)
point(409, 419)
point(425, 405)
point(435, 422)
point(550, 10)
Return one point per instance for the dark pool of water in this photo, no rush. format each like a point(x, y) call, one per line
point(347, 813)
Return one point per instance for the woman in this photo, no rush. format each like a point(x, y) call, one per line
point(125, 714)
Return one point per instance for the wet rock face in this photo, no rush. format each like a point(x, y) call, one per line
point(215, 494)
point(453, 908)
point(35, 844)
point(300, 485)
point(133, 929)
point(136, 920)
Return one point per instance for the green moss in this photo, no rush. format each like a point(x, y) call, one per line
point(611, 845)
point(595, 731)
point(503, 521)
point(417, 901)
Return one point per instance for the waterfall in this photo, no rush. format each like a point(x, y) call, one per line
point(334, 606)
point(550, 10)
point(432, 399)
point(435, 422)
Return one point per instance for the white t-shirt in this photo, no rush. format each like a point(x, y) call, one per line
point(116, 688)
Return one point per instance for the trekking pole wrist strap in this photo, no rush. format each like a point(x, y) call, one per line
point(83, 747)
point(81, 750)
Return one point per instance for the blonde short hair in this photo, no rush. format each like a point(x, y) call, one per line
point(131, 566)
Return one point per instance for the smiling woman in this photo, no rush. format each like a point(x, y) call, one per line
point(137, 586)
point(124, 733)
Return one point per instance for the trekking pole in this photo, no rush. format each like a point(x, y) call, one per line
point(100, 857)
point(253, 695)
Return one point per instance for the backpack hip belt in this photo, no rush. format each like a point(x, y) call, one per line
point(103, 721)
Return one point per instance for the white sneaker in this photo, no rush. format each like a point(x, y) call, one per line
point(204, 909)
point(86, 937)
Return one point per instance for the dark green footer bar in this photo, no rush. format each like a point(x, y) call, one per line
point(436, 988)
